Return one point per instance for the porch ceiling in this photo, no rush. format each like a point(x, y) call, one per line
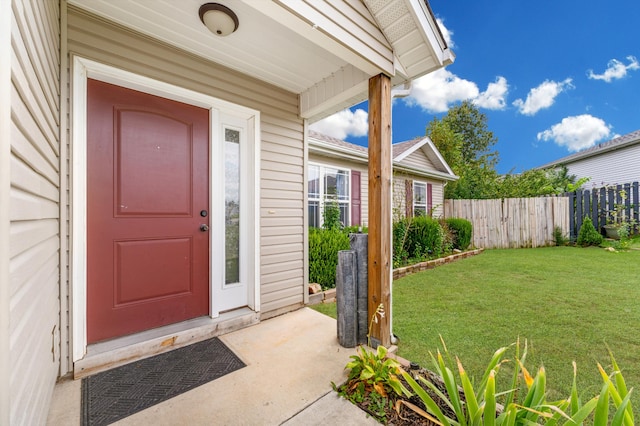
point(323, 51)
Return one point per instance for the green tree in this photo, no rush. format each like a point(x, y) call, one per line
point(463, 138)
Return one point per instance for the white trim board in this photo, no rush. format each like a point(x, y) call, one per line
point(85, 68)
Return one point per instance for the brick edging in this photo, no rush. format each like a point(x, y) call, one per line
point(430, 264)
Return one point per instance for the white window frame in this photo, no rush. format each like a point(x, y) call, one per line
point(424, 205)
point(322, 168)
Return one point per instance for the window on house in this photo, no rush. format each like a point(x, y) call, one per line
point(328, 183)
point(419, 199)
point(422, 199)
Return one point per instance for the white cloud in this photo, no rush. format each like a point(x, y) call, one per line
point(436, 91)
point(577, 132)
point(344, 123)
point(615, 70)
point(495, 95)
point(542, 97)
point(446, 33)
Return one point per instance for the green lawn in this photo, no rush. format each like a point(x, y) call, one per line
point(569, 303)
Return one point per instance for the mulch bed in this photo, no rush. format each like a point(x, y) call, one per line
point(406, 416)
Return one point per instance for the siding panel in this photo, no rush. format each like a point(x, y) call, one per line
point(281, 174)
point(34, 238)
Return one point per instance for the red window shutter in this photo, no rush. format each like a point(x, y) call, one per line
point(429, 198)
point(408, 199)
point(356, 205)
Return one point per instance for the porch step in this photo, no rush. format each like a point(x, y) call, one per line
point(113, 353)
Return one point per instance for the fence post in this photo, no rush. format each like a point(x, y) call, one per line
point(636, 201)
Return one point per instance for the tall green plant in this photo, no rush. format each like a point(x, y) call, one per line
point(331, 214)
point(523, 404)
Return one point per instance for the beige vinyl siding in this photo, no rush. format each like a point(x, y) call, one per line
point(281, 200)
point(419, 161)
point(399, 194)
point(34, 236)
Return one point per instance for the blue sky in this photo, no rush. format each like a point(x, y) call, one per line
point(552, 77)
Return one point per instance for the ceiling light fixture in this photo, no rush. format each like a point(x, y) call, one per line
point(219, 19)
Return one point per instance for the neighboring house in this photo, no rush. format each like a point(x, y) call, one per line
point(152, 173)
point(614, 162)
point(338, 170)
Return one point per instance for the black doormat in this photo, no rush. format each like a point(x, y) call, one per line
point(115, 394)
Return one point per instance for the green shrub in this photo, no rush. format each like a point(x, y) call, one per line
point(461, 230)
point(559, 237)
point(324, 245)
point(417, 238)
point(424, 238)
point(588, 236)
point(355, 229)
point(331, 214)
point(400, 234)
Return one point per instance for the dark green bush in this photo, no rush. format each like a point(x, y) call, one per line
point(461, 230)
point(417, 238)
point(588, 236)
point(425, 238)
point(400, 234)
point(324, 245)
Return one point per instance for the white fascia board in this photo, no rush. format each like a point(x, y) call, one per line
point(427, 144)
point(318, 147)
point(431, 35)
point(426, 174)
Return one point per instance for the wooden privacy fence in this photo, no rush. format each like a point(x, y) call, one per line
point(609, 204)
point(512, 222)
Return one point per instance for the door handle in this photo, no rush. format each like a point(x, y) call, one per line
point(204, 227)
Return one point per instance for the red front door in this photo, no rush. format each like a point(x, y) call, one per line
point(147, 211)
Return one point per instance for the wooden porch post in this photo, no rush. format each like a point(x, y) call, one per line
point(379, 256)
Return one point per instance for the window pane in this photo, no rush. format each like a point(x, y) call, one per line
point(419, 194)
point(314, 214)
point(314, 182)
point(344, 214)
point(330, 183)
point(342, 184)
point(232, 205)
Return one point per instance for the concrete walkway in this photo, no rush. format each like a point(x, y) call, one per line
point(291, 361)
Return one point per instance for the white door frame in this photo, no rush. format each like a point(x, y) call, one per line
point(84, 68)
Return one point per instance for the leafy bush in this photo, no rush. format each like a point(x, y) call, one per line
point(416, 239)
point(400, 234)
point(331, 214)
point(559, 237)
point(324, 245)
point(461, 230)
point(588, 236)
point(424, 238)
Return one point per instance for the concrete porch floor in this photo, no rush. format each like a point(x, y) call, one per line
point(291, 361)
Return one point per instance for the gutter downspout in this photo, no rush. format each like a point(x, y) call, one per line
point(395, 93)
